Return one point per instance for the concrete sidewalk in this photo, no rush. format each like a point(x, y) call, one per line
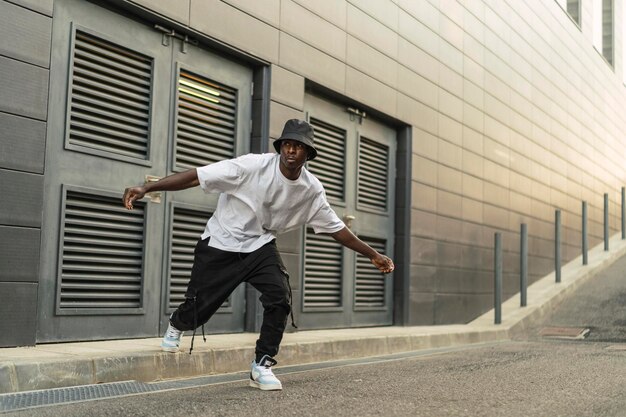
point(71, 364)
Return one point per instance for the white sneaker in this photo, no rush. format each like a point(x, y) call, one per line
point(262, 377)
point(171, 339)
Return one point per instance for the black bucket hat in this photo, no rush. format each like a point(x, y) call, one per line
point(300, 131)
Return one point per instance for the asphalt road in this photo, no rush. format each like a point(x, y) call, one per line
point(531, 376)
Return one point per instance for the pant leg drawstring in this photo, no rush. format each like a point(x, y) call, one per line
point(293, 323)
point(195, 324)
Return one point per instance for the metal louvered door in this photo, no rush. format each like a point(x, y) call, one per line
point(127, 107)
point(356, 165)
point(210, 117)
point(109, 92)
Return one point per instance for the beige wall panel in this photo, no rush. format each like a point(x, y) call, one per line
point(450, 80)
point(450, 154)
point(312, 29)
point(418, 87)
point(473, 187)
point(417, 114)
point(266, 10)
point(424, 197)
point(497, 131)
point(365, 28)
point(422, 10)
point(472, 210)
point(418, 61)
point(449, 179)
point(370, 91)
point(473, 140)
point(496, 173)
point(450, 129)
point(450, 55)
point(473, 118)
point(424, 170)
point(450, 105)
point(474, 71)
point(175, 10)
point(423, 224)
point(473, 164)
point(473, 94)
point(520, 203)
point(218, 19)
point(449, 204)
point(334, 11)
point(385, 11)
point(425, 144)
point(451, 24)
point(279, 114)
point(312, 63)
point(371, 62)
point(418, 34)
point(287, 87)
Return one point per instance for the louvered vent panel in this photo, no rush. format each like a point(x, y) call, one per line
point(322, 271)
point(329, 167)
point(373, 173)
point(110, 97)
point(102, 253)
point(370, 283)
point(187, 227)
point(206, 121)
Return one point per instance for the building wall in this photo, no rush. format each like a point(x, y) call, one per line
point(25, 28)
point(513, 114)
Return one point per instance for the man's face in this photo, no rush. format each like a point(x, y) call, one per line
point(293, 154)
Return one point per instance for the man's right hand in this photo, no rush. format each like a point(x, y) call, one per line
point(131, 194)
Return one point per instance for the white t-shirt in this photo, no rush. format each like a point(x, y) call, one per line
point(257, 202)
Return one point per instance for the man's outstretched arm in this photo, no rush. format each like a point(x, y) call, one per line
point(349, 240)
point(174, 182)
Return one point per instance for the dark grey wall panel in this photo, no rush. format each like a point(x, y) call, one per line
point(24, 34)
point(40, 6)
point(22, 198)
point(19, 254)
point(23, 89)
point(23, 143)
point(18, 309)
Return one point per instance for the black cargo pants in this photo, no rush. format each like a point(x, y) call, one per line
point(216, 274)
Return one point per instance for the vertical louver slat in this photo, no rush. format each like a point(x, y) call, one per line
point(322, 271)
point(110, 97)
point(102, 253)
point(330, 142)
point(187, 227)
point(370, 283)
point(373, 174)
point(205, 122)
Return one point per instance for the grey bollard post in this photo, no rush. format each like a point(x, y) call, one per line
point(557, 245)
point(584, 234)
point(497, 288)
point(623, 213)
point(606, 221)
point(523, 265)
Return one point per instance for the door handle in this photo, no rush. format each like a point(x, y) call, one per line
point(155, 196)
point(347, 219)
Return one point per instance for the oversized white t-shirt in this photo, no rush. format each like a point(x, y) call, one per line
point(257, 202)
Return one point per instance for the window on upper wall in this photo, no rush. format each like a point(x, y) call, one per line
point(572, 7)
point(603, 28)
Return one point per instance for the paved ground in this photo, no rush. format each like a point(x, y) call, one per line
point(544, 378)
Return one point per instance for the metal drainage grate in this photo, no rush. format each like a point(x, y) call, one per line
point(573, 333)
point(29, 399)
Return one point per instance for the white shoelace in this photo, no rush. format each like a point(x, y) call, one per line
point(173, 333)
